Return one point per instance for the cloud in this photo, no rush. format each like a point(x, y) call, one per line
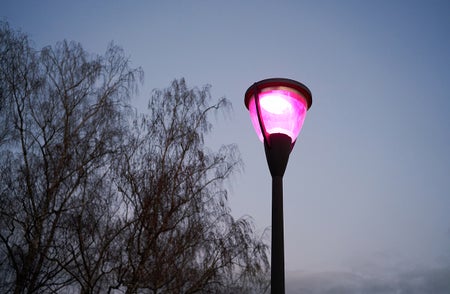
point(426, 280)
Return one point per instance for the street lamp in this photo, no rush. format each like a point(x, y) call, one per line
point(277, 109)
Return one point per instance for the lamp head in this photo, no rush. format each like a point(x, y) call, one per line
point(278, 106)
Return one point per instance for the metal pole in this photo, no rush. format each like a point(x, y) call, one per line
point(277, 258)
point(277, 149)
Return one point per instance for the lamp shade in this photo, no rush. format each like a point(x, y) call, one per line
point(278, 106)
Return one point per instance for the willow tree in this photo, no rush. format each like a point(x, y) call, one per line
point(63, 112)
point(96, 198)
point(182, 237)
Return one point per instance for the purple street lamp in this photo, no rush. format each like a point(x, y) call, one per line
point(277, 108)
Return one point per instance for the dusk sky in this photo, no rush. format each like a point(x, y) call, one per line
point(367, 187)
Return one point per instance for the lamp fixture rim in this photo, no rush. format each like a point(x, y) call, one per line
point(279, 82)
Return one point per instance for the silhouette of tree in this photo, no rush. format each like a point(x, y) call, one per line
point(63, 112)
point(96, 198)
point(182, 238)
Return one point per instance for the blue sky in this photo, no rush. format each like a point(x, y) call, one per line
point(367, 188)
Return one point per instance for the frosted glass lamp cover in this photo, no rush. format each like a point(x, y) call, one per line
point(282, 107)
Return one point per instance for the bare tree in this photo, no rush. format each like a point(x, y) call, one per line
point(64, 111)
point(95, 198)
point(182, 238)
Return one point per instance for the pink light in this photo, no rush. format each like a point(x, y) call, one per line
point(282, 111)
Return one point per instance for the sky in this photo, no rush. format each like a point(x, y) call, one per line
point(367, 187)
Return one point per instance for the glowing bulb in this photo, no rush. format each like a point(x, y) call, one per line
point(275, 103)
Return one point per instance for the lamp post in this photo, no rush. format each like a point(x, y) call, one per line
point(277, 109)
